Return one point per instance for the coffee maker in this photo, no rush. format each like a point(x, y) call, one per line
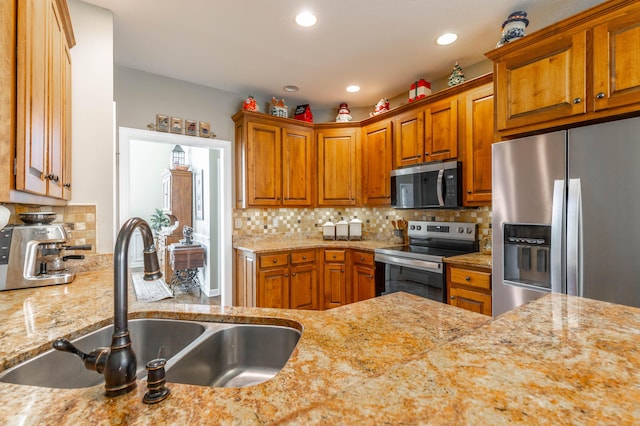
point(31, 256)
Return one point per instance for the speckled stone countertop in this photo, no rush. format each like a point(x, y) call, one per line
point(478, 260)
point(396, 359)
point(281, 243)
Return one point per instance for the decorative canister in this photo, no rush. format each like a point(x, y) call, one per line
point(355, 229)
point(329, 231)
point(342, 230)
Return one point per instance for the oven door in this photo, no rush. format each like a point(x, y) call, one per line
point(420, 277)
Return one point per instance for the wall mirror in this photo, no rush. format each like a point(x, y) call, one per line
point(143, 157)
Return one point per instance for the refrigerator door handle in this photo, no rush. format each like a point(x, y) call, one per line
point(557, 225)
point(574, 238)
point(440, 188)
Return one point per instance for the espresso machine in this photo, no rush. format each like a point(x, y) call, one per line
point(31, 256)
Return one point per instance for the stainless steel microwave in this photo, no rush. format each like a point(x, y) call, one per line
point(429, 185)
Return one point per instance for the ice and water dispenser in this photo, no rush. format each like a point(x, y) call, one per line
point(526, 255)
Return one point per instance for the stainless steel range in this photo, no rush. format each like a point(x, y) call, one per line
point(418, 268)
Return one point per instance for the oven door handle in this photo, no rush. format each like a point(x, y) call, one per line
point(424, 265)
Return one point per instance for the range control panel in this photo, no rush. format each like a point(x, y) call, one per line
point(451, 230)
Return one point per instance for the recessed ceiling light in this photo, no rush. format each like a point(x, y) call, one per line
point(306, 19)
point(353, 88)
point(446, 38)
point(290, 88)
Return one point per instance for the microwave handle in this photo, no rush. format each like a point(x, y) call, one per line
point(440, 190)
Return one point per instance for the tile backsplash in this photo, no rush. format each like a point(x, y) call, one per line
point(376, 220)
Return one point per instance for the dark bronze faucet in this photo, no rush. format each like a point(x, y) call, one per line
point(118, 362)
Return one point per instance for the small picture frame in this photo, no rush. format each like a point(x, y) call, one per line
point(199, 204)
point(205, 130)
point(176, 125)
point(190, 128)
point(162, 123)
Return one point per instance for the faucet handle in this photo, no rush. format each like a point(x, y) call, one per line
point(95, 360)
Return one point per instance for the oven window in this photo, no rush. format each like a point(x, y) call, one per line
point(414, 281)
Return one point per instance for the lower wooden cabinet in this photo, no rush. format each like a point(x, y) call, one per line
point(469, 288)
point(304, 279)
point(335, 278)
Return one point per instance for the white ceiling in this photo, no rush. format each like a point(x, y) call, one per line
point(254, 47)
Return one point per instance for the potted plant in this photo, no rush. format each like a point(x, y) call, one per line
point(158, 220)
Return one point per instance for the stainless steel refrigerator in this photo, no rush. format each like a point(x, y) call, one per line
point(566, 215)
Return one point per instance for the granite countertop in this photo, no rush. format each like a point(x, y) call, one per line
point(267, 244)
point(478, 260)
point(393, 359)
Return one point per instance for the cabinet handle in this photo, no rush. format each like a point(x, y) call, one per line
point(600, 95)
point(467, 278)
point(67, 185)
point(577, 100)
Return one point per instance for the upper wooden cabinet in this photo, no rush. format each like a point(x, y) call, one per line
point(477, 136)
point(274, 162)
point(338, 166)
point(427, 134)
point(583, 68)
point(377, 159)
point(36, 107)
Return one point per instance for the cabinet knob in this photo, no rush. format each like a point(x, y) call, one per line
point(577, 100)
point(293, 274)
point(286, 275)
point(370, 276)
point(304, 257)
point(275, 260)
point(467, 278)
point(361, 259)
point(341, 270)
point(67, 185)
point(600, 95)
point(453, 297)
point(334, 256)
point(426, 153)
point(468, 192)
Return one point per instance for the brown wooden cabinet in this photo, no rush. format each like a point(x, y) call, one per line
point(244, 291)
point(469, 288)
point(335, 278)
point(177, 197)
point(377, 159)
point(274, 162)
point(583, 68)
point(304, 280)
point(477, 136)
point(272, 285)
point(427, 134)
point(36, 105)
point(364, 275)
point(338, 166)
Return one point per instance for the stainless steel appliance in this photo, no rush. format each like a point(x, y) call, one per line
point(565, 215)
point(430, 185)
point(418, 268)
point(31, 256)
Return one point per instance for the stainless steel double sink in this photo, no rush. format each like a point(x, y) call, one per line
point(198, 353)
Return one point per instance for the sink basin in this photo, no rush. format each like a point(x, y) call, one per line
point(243, 355)
point(55, 369)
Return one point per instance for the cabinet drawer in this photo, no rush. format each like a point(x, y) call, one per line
point(303, 256)
point(335, 255)
point(471, 278)
point(363, 258)
point(270, 260)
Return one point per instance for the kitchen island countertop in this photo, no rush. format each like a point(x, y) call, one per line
point(394, 359)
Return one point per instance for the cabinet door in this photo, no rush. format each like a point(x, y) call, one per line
point(364, 284)
point(264, 167)
point(478, 138)
point(66, 134)
point(273, 288)
point(31, 118)
point(56, 106)
point(616, 55)
point(376, 164)
point(408, 141)
point(543, 82)
point(471, 300)
point(245, 288)
point(297, 167)
point(304, 287)
point(335, 285)
point(338, 167)
point(441, 130)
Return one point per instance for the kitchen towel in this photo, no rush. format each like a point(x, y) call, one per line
point(149, 291)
